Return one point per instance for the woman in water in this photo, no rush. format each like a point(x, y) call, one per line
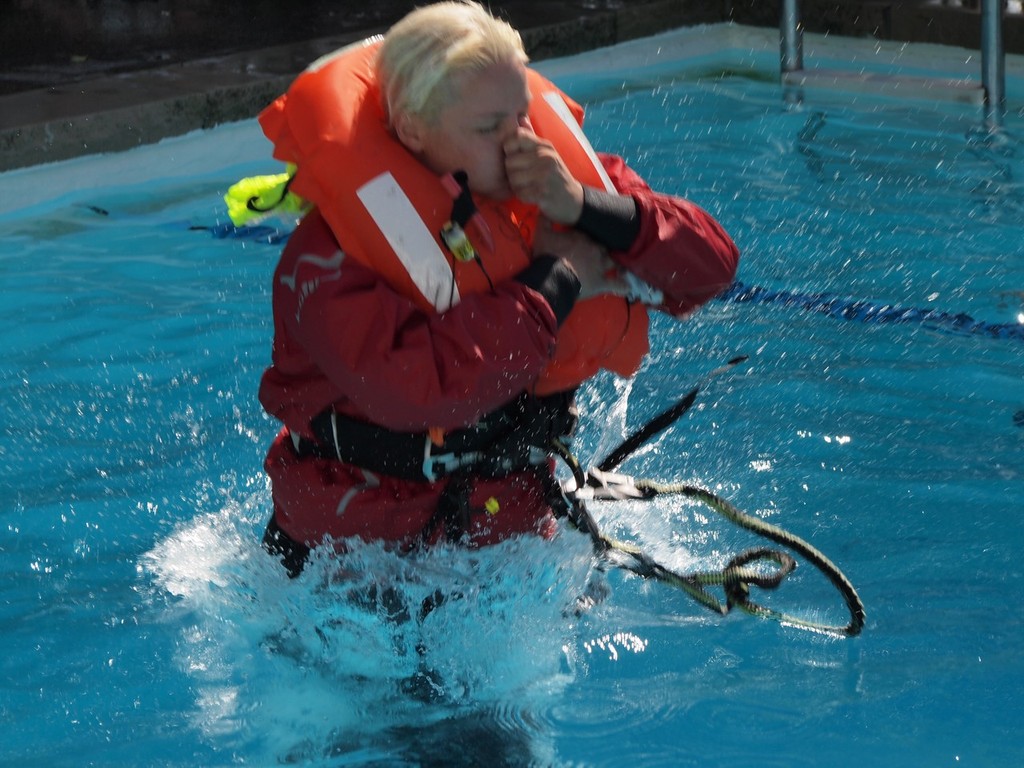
point(469, 261)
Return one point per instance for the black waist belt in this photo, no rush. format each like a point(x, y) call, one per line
point(507, 440)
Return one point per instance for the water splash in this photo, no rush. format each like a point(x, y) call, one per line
point(317, 668)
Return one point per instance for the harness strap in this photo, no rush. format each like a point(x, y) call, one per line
point(513, 438)
point(452, 511)
point(507, 440)
point(291, 553)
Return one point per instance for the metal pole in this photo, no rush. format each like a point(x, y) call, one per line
point(993, 72)
point(792, 53)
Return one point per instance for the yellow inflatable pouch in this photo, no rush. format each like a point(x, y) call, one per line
point(253, 199)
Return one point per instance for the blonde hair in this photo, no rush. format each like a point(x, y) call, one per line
point(424, 53)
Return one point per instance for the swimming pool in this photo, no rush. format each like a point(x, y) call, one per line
point(143, 625)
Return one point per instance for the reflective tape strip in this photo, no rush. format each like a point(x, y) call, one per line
point(560, 108)
point(409, 238)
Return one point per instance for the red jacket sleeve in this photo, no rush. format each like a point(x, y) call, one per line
point(344, 337)
point(680, 248)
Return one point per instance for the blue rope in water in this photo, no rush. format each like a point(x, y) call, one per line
point(872, 312)
point(260, 233)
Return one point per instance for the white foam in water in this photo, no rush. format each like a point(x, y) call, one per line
point(311, 669)
point(305, 668)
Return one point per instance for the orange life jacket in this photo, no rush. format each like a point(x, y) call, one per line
point(387, 209)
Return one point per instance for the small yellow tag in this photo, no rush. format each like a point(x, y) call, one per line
point(492, 506)
point(455, 238)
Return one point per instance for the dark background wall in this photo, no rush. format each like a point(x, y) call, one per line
point(41, 39)
point(45, 31)
point(39, 32)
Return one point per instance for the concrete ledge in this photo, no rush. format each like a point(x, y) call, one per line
point(893, 86)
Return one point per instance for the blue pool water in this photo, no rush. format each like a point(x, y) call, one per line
point(144, 626)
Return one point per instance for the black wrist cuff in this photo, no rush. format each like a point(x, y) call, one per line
point(608, 219)
point(555, 280)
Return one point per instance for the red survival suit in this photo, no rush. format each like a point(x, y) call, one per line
point(352, 337)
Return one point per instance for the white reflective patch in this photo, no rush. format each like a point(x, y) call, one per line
point(412, 242)
point(330, 266)
point(557, 103)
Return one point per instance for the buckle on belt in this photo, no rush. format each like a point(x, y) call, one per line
point(604, 486)
point(435, 466)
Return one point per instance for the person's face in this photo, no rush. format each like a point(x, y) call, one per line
point(486, 108)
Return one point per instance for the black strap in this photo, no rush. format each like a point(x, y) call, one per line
point(463, 207)
point(293, 554)
point(502, 442)
point(452, 511)
point(660, 422)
